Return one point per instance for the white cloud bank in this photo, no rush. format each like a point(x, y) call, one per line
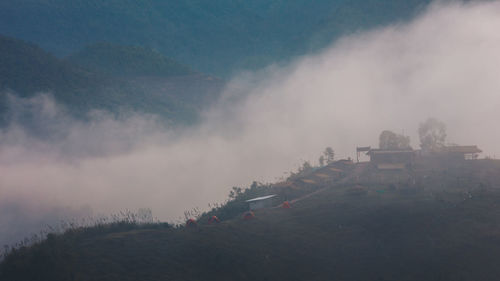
point(445, 64)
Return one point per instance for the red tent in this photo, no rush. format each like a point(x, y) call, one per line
point(213, 219)
point(191, 223)
point(248, 215)
point(286, 205)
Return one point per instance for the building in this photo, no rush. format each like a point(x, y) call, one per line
point(360, 150)
point(392, 159)
point(462, 152)
point(261, 202)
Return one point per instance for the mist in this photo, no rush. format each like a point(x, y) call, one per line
point(444, 64)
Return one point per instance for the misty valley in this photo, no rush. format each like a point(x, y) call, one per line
point(249, 140)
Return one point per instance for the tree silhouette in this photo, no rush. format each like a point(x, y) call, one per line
point(329, 155)
point(391, 140)
point(432, 134)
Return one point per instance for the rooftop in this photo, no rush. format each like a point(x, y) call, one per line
point(261, 198)
point(392, 151)
point(462, 149)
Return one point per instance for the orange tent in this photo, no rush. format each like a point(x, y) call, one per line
point(213, 219)
point(191, 223)
point(248, 215)
point(286, 205)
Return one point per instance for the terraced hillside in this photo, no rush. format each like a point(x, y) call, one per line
point(437, 229)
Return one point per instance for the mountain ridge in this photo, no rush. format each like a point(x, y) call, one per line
point(105, 76)
point(220, 38)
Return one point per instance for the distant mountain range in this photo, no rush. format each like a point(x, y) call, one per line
point(116, 60)
point(105, 76)
point(26, 68)
point(163, 57)
point(216, 37)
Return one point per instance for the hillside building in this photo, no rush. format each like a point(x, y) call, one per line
point(462, 152)
point(361, 150)
point(392, 159)
point(400, 159)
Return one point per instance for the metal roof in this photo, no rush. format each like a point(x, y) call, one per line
point(383, 151)
point(261, 198)
point(463, 149)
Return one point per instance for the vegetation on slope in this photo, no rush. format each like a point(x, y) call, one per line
point(25, 68)
point(438, 229)
point(117, 60)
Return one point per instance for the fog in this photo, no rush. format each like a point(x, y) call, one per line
point(444, 64)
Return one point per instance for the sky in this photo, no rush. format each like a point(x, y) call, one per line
point(443, 64)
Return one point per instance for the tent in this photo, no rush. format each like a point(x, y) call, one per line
point(191, 223)
point(248, 215)
point(213, 219)
point(286, 205)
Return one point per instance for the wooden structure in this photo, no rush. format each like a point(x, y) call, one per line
point(392, 159)
point(361, 149)
point(462, 152)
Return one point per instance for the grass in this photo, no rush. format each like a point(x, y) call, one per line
point(430, 231)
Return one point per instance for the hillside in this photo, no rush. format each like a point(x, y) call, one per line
point(25, 68)
point(443, 226)
point(215, 37)
point(116, 60)
point(104, 76)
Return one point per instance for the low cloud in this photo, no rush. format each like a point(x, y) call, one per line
point(443, 64)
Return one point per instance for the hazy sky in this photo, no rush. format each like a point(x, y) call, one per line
point(444, 64)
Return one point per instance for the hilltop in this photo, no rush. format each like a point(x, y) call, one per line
point(215, 37)
point(347, 222)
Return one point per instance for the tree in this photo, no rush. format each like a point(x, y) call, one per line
point(322, 161)
point(329, 155)
point(432, 134)
point(235, 192)
point(306, 167)
point(391, 140)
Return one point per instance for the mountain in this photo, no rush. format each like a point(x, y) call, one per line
point(126, 61)
point(25, 68)
point(359, 224)
point(105, 76)
point(216, 37)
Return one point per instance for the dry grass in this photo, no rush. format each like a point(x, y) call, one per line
point(432, 231)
